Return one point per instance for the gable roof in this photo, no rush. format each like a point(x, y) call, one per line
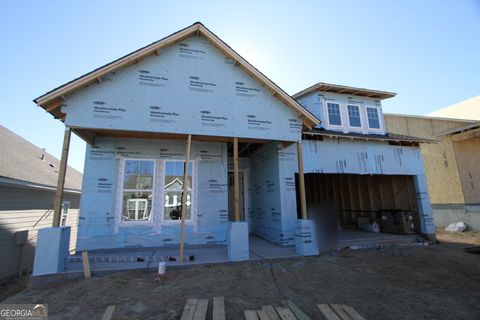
point(335, 88)
point(52, 100)
point(21, 163)
point(468, 109)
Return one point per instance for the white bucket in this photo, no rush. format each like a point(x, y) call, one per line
point(161, 267)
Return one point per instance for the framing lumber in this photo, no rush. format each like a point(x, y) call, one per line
point(57, 210)
point(299, 314)
point(86, 265)
point(301, 181)
point(201, 310)
point(236, 182)
point(184, 196)
point(250, 315)
point(218, 312)
point(340, 311)
point(108, 313)
point(327, 312)
point(285, 313)
point(262, 315)
point(352, 313)
point(189, 309)
point(271, 313)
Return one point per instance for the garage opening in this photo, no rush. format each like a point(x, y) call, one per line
point(374, 204)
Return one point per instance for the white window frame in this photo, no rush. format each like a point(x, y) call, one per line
point(193, 212)
point(327, 113)
point(63, 215)
point(359, 116)
point(121, 177)
point(380, 119)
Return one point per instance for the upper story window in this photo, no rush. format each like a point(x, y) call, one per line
point(334, 117)
point(354, 116)
point(137, 190)
point(373, 118)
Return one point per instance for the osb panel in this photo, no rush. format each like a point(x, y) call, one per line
point(468, 158)
point(441, 168)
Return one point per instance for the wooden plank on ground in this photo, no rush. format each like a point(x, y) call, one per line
point(189, 309)
point(271, 313)
point(86, 265)
point(108, 313)
point(250, 315)
point(285, 313)
point(201, 310)
point(338, 308)
point(299, 314)
point(327, 312)
point(262, 315)
point(218, 308)
point(352, 313)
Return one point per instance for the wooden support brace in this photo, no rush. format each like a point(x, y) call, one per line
point(86, 265)
point(184, 197)
point(301, 181)
point(57, 209)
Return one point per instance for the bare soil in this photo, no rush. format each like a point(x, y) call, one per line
point(410, 282)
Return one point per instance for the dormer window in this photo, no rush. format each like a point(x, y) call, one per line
point(354, 116)
point(334, 117)
point(373, 119)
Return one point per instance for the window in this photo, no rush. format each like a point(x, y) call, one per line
point(137, 190)
point(354, 116)
point(173, 190)
point(373, 120)
point(64, 215)
point(334, 114)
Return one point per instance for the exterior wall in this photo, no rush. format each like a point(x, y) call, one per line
point(100, 218)
point(359, 157)
point(441, 166)
point(468, 159)
point(191, 87)
point(451, 168)
point(28, 209)
point(316, 103)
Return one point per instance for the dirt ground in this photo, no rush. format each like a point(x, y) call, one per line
point(410, 282)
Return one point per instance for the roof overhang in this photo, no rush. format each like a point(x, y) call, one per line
point(335, 88)
point(52, 100)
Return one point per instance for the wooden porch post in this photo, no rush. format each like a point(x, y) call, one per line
point(301, 181)
point(236, 190)
point(184, 196)
point(57, 209)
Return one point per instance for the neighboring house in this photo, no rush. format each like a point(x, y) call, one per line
point(452, 166)
point(28, 179)
point(138, 114)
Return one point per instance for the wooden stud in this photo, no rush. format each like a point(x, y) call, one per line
point(299, 314)
point(189, 309)
point(218, 308)
point(236, 182)
point(352, 313)
point(270, 311)
point(86, 265)
point(338, 308)
point(201, 310)
point(108, 313)
point(57, 209)
point(262, 315)
point(327, 312)
point(285, 313)
point(301, 181)
point(184, 197)
point(250, 315)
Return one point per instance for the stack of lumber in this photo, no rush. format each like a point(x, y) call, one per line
point(196, 309)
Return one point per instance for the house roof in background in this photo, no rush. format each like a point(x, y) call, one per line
point(467, 109)
point(52, 100)
point(335, 88)
point(22, 161)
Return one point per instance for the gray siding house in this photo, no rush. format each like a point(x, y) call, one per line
point(28, 179)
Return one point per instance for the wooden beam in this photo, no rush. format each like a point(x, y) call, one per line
point(108, 313)
point(53, 105)
point(57, 209)
point(218, 312)
point(301, 181)
point(236, 182)
point(86, 265)
point(184, 196)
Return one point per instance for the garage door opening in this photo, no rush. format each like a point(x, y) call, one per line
point(355, 201)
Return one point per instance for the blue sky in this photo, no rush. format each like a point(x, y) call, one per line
point(426, 51)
